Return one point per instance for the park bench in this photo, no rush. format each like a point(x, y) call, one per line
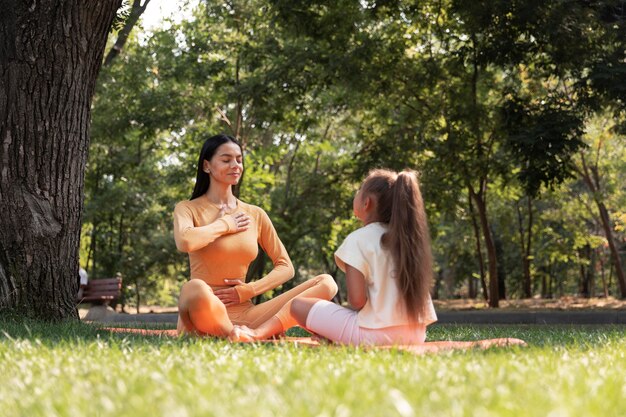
point(102, 291)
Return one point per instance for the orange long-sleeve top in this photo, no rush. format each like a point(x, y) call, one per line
point(214, 256)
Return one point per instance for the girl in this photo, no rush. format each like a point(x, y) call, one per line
point(388, 267)
point(222, 234)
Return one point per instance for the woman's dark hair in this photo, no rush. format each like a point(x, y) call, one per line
point(203, 180)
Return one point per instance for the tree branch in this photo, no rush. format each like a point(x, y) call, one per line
point(135, 13)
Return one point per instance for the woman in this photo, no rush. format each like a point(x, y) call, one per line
point(221, 234)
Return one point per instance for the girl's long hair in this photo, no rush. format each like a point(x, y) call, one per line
point(399, 204)
point(203, 180)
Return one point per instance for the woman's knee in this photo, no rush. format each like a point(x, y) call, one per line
point(192, 291)
point(194, 285)
point(329, 283)
point(201, 311)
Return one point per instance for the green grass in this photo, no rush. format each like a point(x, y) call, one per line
point(74, 369)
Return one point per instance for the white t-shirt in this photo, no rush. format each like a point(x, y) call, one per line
point(363, 250)
point(84, 279)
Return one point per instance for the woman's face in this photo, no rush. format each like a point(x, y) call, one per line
point(226, 165)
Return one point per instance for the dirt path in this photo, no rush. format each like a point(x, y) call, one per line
point(563, 303)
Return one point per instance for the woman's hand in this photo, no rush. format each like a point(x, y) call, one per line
point(229, 296)
point(236, 222)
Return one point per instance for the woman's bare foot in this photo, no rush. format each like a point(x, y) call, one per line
point(243, 334)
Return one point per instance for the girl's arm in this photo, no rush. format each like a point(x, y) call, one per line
point(357, 290)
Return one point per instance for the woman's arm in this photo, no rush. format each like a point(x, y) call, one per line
point(356, 286)
point(274, 248)
point(190, 238)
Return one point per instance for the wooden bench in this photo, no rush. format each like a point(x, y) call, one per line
point(102, 291)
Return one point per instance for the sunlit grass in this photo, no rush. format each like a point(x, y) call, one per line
point(72, 369)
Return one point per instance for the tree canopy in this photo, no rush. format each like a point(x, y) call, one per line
point(512, 112)
point(497, 104)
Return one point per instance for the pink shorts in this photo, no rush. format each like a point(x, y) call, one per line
point(340, 325)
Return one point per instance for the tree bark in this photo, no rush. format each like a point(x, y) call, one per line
point(50, 55)
point(494, 299)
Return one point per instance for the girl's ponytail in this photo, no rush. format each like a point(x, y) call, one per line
point(399, 204)
point(408, 240)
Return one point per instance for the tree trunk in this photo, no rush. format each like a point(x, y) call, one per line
point(605, 288)
point(591, 177)
point(94, 245)
point(137, 294)
point(606, 224)
point(548, 293)
point(544, 283)
point(497, 241)
point(479, 252)
point(50, 55)
point(525, 237)
point(491, 248)
point(472, 291)
point(438, 284)
point(587, 274)
point(583, 286)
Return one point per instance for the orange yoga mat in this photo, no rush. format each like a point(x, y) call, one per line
point(308, 341)
point(427, 347)
point(143, 332)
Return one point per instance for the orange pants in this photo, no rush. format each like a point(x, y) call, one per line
point(206, 314)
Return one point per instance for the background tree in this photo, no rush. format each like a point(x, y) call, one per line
point(592, 167)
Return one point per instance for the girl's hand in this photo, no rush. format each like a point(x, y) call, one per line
point(229, 296)
point(236, 222)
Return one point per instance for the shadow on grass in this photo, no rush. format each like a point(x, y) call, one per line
point(49, 332)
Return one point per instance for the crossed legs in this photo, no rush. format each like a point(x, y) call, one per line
point(301, 307)
point(201, 312)
point(322, 287)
